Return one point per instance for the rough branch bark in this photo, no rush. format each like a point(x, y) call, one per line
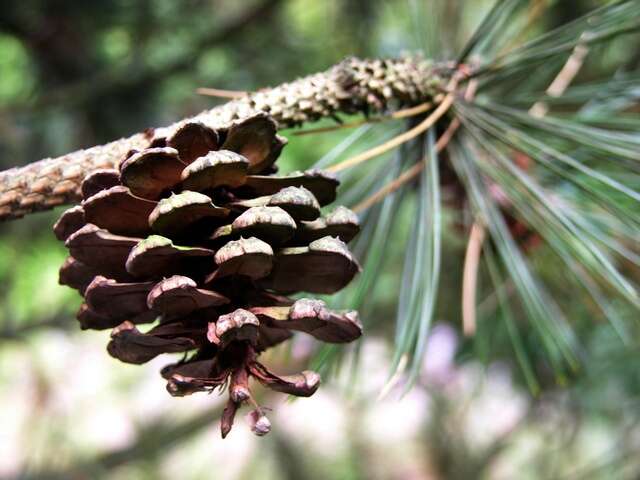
point(351, 86)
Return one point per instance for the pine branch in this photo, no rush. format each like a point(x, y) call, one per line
point(351, 86)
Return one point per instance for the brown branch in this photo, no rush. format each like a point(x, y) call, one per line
point(352, 86)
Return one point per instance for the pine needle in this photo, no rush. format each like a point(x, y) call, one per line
point(404, 137)
point(547, 318)
point(410, 174)
point(395, 378)
point(600, 25)
point(408, 112)
point(220, 93)
point(486, 28)
point(470, 278)
point(476, 237)
point(534, 14)
point(562, 80)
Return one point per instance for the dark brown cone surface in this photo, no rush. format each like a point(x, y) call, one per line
point(198, 234)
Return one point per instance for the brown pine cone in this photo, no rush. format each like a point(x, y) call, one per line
point(197, 234)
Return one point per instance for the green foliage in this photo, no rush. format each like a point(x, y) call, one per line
point(580, 194)
point(15, 70)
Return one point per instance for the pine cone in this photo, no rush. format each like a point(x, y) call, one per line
point(197, 234)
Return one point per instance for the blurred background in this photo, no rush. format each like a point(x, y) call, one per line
point(74, 74)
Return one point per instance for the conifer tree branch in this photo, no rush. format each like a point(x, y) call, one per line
point(351, 86)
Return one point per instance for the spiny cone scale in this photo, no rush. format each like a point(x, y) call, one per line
point(197, 235)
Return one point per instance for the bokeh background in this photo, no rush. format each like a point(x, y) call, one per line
point(74, 74)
